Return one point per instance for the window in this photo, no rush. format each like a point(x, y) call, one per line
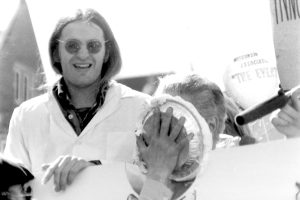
point(23, 85)
point(25, 88)
point(17, 80)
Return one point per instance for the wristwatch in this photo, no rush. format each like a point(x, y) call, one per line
point(96, 162)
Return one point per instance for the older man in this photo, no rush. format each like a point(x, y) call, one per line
point(205, 95)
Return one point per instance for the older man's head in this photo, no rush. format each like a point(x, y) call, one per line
point(205, 95)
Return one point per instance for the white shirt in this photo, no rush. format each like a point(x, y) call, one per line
point(39, 133)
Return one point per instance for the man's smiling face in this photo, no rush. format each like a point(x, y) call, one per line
point(81, 51)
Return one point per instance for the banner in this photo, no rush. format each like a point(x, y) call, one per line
point(266, 171)
point(110, 181)
point(286, 32)
point(100, 182)
point(262, 171)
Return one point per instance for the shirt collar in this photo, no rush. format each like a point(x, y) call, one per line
point(60, 91)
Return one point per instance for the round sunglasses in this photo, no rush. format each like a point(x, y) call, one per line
point(73, 46)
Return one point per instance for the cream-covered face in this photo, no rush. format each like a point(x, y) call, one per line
point(201, 102)
point(81, 68)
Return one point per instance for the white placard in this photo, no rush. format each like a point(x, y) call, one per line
point(266, 171)
point(108, 182)
point(251, 79)
point(261, 172)
point(286, 31)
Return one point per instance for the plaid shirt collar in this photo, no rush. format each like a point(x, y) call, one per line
point(78, 118)
point(60, 91)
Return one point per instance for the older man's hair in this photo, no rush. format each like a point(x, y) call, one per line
point(189, 85)
point(111, 66)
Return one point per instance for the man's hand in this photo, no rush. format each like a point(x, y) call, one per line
point(287, 120)
point(161, 153)
point(64, 170)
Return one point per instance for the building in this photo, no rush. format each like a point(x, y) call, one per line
point(20, 66)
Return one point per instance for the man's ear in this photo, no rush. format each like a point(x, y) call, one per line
point(106, 56)
point(213, 124)
point(216, 127)
point(56, 57)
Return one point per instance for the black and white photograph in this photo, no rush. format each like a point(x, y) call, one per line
point(150, 100)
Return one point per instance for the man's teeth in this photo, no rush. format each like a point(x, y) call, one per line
point(82, 65)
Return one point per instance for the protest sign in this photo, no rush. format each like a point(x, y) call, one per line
point(262, 171)
point(286, 35)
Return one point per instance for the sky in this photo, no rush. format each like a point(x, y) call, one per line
point(7, 10)
point(161, 36)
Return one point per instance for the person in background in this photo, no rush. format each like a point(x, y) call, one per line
point(15, 180)
point(287, 119)
point(204, 94)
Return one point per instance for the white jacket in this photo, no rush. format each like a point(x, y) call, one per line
point(39, 132)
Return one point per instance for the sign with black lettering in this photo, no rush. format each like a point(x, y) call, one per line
point(251, 79)
point(286, 31)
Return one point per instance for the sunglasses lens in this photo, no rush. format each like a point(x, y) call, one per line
point(72, 46)
point(94, 46)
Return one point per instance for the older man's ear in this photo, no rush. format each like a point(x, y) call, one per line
point(216, 127)
point(132, 197)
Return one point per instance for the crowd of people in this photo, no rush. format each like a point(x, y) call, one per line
point(88, 119)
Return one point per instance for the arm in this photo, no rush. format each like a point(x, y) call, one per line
point(155, 190)
point(161, 155)
point(64, 170)
point(15, 147)
point(287, 119)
